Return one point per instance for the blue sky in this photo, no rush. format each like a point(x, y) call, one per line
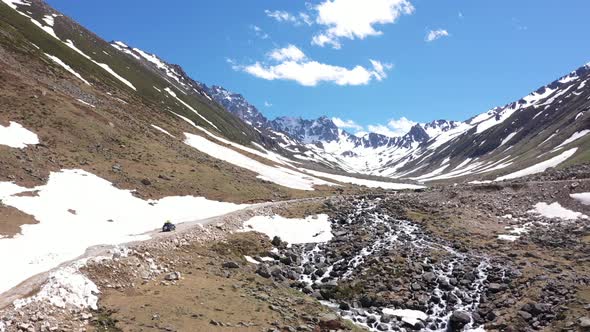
point(313, 58)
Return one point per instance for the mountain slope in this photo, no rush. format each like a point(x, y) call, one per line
point(103, 111)
point(440, 150)
point(519, 135)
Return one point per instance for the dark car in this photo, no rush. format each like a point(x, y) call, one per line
point(168, 227)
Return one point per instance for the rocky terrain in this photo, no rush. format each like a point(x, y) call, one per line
point(431, 260)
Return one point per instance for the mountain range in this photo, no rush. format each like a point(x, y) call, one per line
point(547, 127)
point(537, 127)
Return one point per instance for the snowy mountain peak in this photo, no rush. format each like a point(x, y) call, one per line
point(438, 127)
point(238, 105)
point(319, 130)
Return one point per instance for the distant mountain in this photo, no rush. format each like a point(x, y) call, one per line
point(476, 147)
point(238, 105)
point(511, 137)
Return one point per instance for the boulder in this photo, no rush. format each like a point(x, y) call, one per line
point(458, 320)
point(172, 276)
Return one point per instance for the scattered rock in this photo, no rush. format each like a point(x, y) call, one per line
point(172, 276)
point(230, 265)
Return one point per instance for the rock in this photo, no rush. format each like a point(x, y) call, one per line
point(172, 276)
point(286, 260)
point(328, 317)
point(525, 315)
point(536, 308)
point(495, 288)
point(276, 241)
point(458, 320)
point(230, 265)
point(584, 323)
point(263, 271)
point(146, 182)
point(382, 327)
point(429, 277)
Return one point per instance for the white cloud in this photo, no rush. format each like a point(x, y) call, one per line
point(380, 69)
point(401, 125)
point(290, 63)
point(259, 32)
point(267, 104)
point(284, 16)
point(356, 19)
point(436, 34)
point(393, 128)
point(381, 129)
point(291, 52)
point(347, 124)
point(461, 15)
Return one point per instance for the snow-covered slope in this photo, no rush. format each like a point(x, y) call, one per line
point(489, 145)
point(509, 138)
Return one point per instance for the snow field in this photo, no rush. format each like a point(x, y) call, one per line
point(363, 182)
point(279, 175)
point(77, 210)
point(540, 167)
point(313, 229)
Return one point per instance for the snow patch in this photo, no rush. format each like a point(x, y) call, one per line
point(510, 238)
point(66, 67)
point(86, 103)
point(411, 317)
point(163, 131)
point(170, 92)
point(77, 210)
point(279, 175)
point(363, 182)
point(555, 210)
point(574, 137)
point(104, 66)
point(583, 198)
point(16, 136)
point(508, 138)
point(540, 167)
point(249, 259)
point(313, 229)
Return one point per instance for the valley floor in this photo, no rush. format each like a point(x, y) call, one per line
point(496, 257)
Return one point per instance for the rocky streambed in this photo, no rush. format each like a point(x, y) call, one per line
point(389, 274)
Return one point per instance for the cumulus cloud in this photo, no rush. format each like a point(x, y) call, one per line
point(290, 63)
point(356, 19)
point(393, 128)
point(401, 126)
point(347, 124)
point(284, 16)
point(436, 34)
point(291, 52)
point(381, 129)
